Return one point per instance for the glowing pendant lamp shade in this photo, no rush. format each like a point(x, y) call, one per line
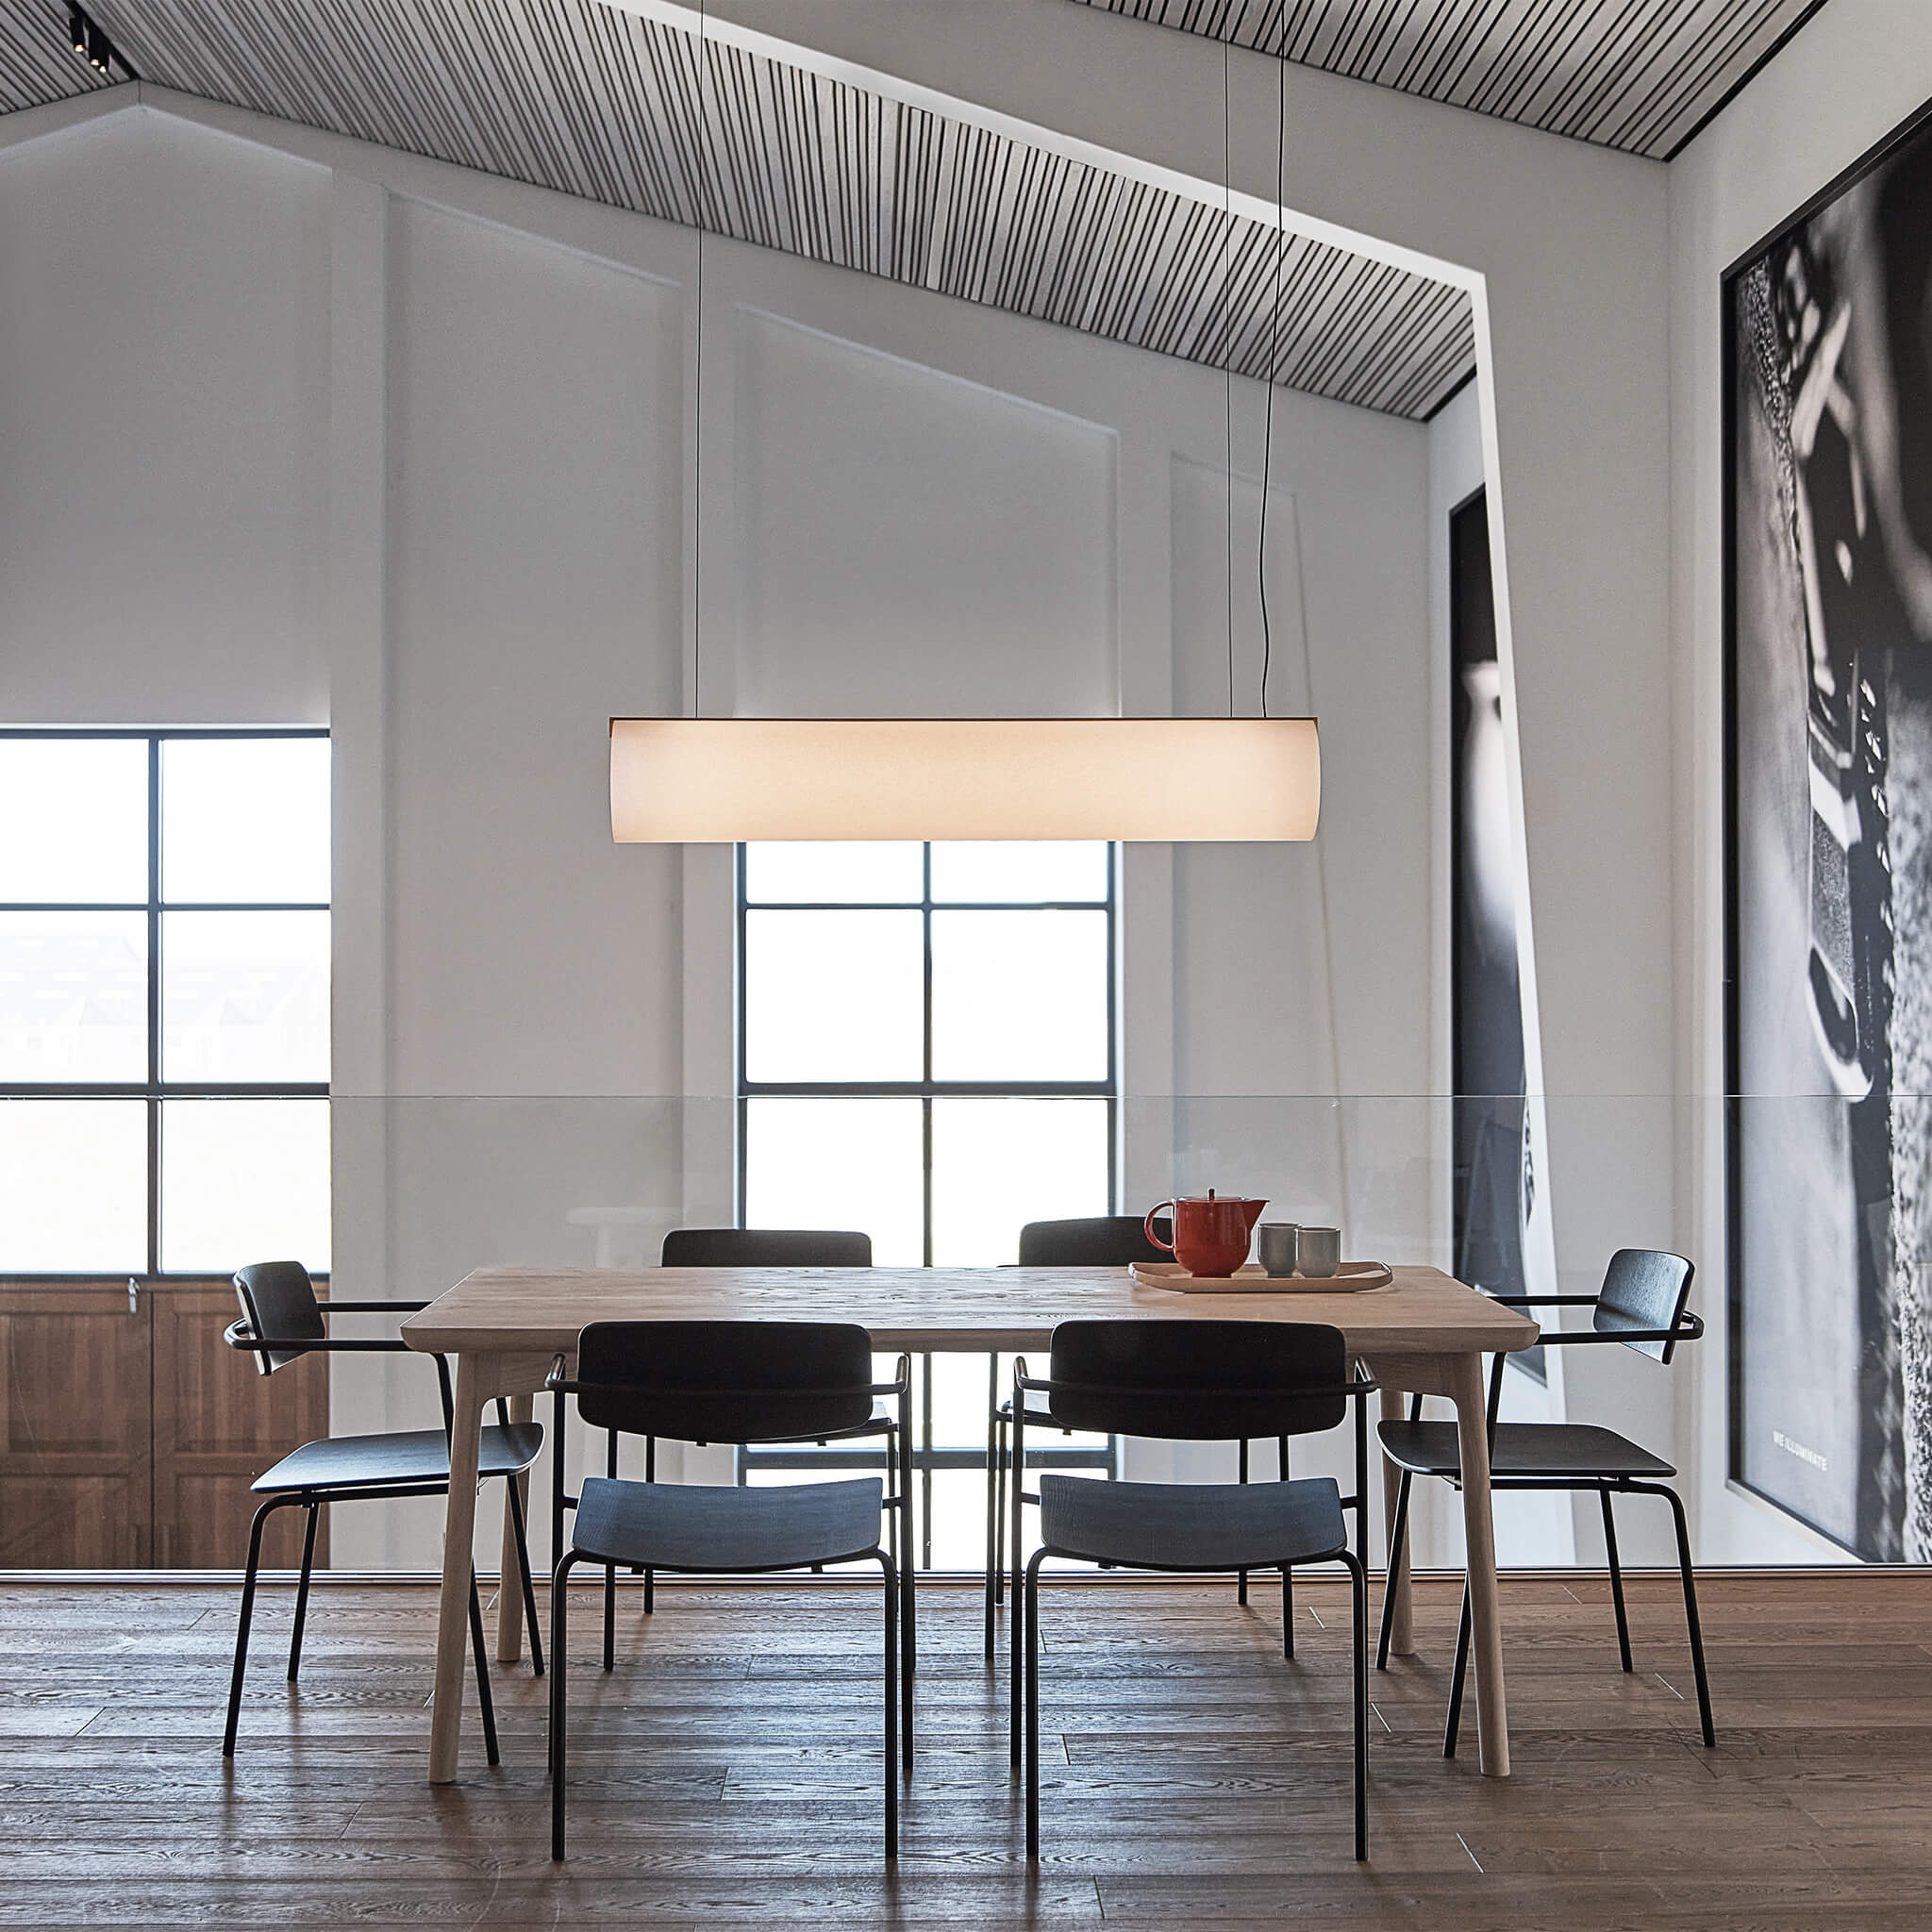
point(718, 780)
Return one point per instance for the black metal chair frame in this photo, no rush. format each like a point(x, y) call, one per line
point(798, 1243)
point(239, 1335)
point(1025, 1685)
point(897, 1579)
point(999, 1413)
point(1688, 1327)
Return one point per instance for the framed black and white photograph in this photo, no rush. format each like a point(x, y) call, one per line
point(1828, 856)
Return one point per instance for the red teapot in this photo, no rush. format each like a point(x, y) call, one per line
point(1211, 1232)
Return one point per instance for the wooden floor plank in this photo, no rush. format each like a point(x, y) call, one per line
point(728, 1771)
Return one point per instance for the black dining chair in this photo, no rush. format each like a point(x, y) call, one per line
point(743, 1247)
point(1193, 1381)
point(281, 1321)
point(1100, 1240)
point(728, 1382)
point(1640, 1306)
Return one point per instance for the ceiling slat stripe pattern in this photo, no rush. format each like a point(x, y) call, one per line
point(38, 63)
point(571, 96)
point(1637, 75)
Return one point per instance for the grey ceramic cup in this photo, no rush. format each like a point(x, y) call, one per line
point(1275, 1248)
point(1318, 1251)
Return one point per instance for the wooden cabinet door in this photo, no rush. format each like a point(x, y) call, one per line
point(76, 1428)
point(217, 1425)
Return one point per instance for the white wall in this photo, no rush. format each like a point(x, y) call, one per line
point(1845, 81)
point(424, 459)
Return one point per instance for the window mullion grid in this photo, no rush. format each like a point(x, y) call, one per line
point(153, 1005)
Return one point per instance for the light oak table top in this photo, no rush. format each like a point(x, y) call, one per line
point(522, 1310)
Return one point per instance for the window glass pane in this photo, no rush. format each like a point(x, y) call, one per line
point(244, 819)
point(999, 1163)
point(74, 996)
point(1027, 869)
point(241, 1181)
point(74, 813)
point(73, 1187)
point(1019, 995)
point(834, 997)
point(845, 872)
point(839, 1163)
point(245, 996)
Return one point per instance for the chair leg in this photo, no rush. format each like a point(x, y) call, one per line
point(559, 1594)
point(483, 1696)
point(1288, 1570)
point(1398, 1540)
point(1016, 1478)
point(891, 1704)
point(611, 1568)
point(1358, 1607)
point(1457, 1678)
point(1240, 1576)
point(993, 1497)
point(1032, 1622)
point(261, 1516)
point(1690, 1618)
point(1003, 1474)
point(1616, 1580)
point(312, 1511)
point(523, 1542)
point(650, 1476)
point(908, 1594)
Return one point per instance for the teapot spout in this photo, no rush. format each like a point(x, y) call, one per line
point(1251, 1212)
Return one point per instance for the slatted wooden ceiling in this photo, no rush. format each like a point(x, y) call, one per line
point(1637, 75)
point(571, 95)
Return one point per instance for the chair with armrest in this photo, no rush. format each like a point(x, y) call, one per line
point(729, 1382)
point(1192, 1381)
point(739, 1247)
point(1100, 1240)
point(282, 1321)
point(1640, 1307)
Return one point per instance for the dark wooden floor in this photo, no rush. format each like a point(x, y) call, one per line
point(728, 1773)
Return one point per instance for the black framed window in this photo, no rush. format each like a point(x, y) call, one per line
point(928, 1052)
point(164, 1000)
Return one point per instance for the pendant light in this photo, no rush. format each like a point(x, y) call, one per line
point(701, 780)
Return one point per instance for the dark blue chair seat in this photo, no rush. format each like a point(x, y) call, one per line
point(1193, 1525)
point(1552, 1451)
point(409, 1456)
point(696, 1526)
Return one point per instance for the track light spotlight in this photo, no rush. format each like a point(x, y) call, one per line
point(92, 45)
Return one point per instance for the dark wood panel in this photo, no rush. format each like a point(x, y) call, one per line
point(726, 1770)
point(217, 1425)
point(75, 1427)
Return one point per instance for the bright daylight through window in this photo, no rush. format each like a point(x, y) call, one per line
point(165, 1001)
point(928, 1053)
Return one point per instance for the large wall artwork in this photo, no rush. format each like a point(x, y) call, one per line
point(1828, 722)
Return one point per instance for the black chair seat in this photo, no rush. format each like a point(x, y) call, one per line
point(1556, 1450)
point(1192, 1525)
point(704, 1526)
point(409, 1456)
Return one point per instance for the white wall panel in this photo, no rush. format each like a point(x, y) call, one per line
point(912, 544)
point(535, 429)
point(164, 429)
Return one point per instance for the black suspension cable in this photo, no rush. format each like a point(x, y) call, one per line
point(1274, 361)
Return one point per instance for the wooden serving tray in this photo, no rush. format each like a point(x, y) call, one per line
point(1252, 1278)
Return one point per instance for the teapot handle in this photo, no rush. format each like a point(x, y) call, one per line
point(1147, 1225)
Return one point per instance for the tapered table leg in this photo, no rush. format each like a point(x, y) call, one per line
point(475, 1375)
point(510, 1596)
point(1402, 1624)
point(1472, 1440)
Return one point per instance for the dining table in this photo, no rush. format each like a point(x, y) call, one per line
point(1422, 1333)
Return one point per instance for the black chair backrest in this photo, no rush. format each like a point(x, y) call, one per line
point(277, 1298)
point(765, 1247)
point(1643, 1288)
point(725, 1381)
point(1199, 1381)
point(1101, 1241)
